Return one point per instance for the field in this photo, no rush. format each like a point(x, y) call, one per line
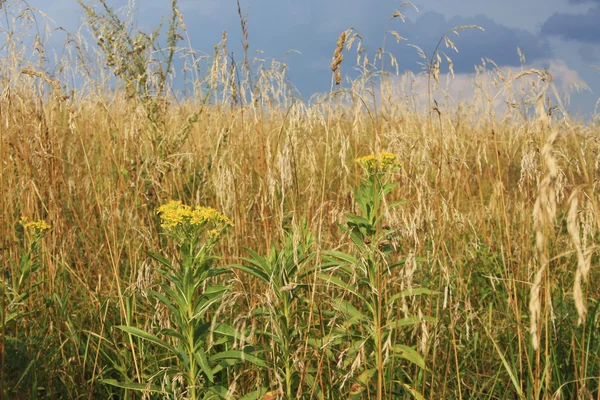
point(240, 242)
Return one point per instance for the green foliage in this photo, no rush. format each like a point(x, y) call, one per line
point(367, 302)
point(17, 287)
point(283, 271)
point(195, 350)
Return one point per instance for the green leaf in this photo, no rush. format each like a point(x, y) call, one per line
point(261, 312)
point(220, 391)
point(314, 386)
point(358, 238)
point(511, 373)
point(347, 308)
point(411, 390)
point(330, 264)
point(147, 336)
point(160, 259)
point(216, 289)
point(238, 355)
point(204, 304)
point(260, 261)
point(341, 256)
point(200, 330)
point(132, 385)
point(176, 295)
point(410, 321)
point(389, 187)
point(227, 330)
point(358, 220)
point(413, 292)
point(366, 376)
point(202, 361)
point(212, 272)
point(164, 300)
point(340, 283)
point(172, 333)
point(257, 273)
point(10, 317)
point(409, 354)
point(396, 204)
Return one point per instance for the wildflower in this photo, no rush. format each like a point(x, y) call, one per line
point(201, 215)
point(369, 162)
point(388, 161)
point(176, 214)
point(38, 226)
point(173, 213)
point(213, 235)
point(377, 164)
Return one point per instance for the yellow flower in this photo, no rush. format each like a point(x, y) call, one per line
point(201, 215)
point(174, 213)
point(36, 226)
point(381, 163)
point(368, 162)
point(213, 235)
point(388, 161)
point(224, 220)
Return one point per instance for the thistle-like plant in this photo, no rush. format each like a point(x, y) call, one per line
point(188, 293)
point(366, 302)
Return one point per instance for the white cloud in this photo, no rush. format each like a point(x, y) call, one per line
point(497, 88)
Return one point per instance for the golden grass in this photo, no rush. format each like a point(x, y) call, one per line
point(487, 195)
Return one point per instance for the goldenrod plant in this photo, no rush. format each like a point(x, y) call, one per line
point(19, 280)
point(368, 298)
point(197, 349)
point(16, 289)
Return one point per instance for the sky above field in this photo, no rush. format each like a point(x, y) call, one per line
point(561, 35)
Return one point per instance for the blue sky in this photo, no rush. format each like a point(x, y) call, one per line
point(563, 35)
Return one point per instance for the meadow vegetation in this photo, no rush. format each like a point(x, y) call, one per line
point(225, 238)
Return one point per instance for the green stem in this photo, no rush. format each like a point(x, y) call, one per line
point(378, 338)
point(192, 360)
point(286, 347)
point(189, 318)
point(376, 284)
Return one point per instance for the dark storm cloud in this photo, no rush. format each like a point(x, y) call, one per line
point(313, 28)
point(589, 53)
point(580, 27)
point(497, 42)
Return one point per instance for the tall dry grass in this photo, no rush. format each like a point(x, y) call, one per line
point(501, 214)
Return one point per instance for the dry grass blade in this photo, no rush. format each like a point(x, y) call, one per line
point(463, 27)
point(583, 265)
point(408, 3)
point(544, 214)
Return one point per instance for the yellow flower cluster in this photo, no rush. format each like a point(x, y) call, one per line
point(37, 226)
point(213, 234)
point(378, 163)
point(175, 213)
